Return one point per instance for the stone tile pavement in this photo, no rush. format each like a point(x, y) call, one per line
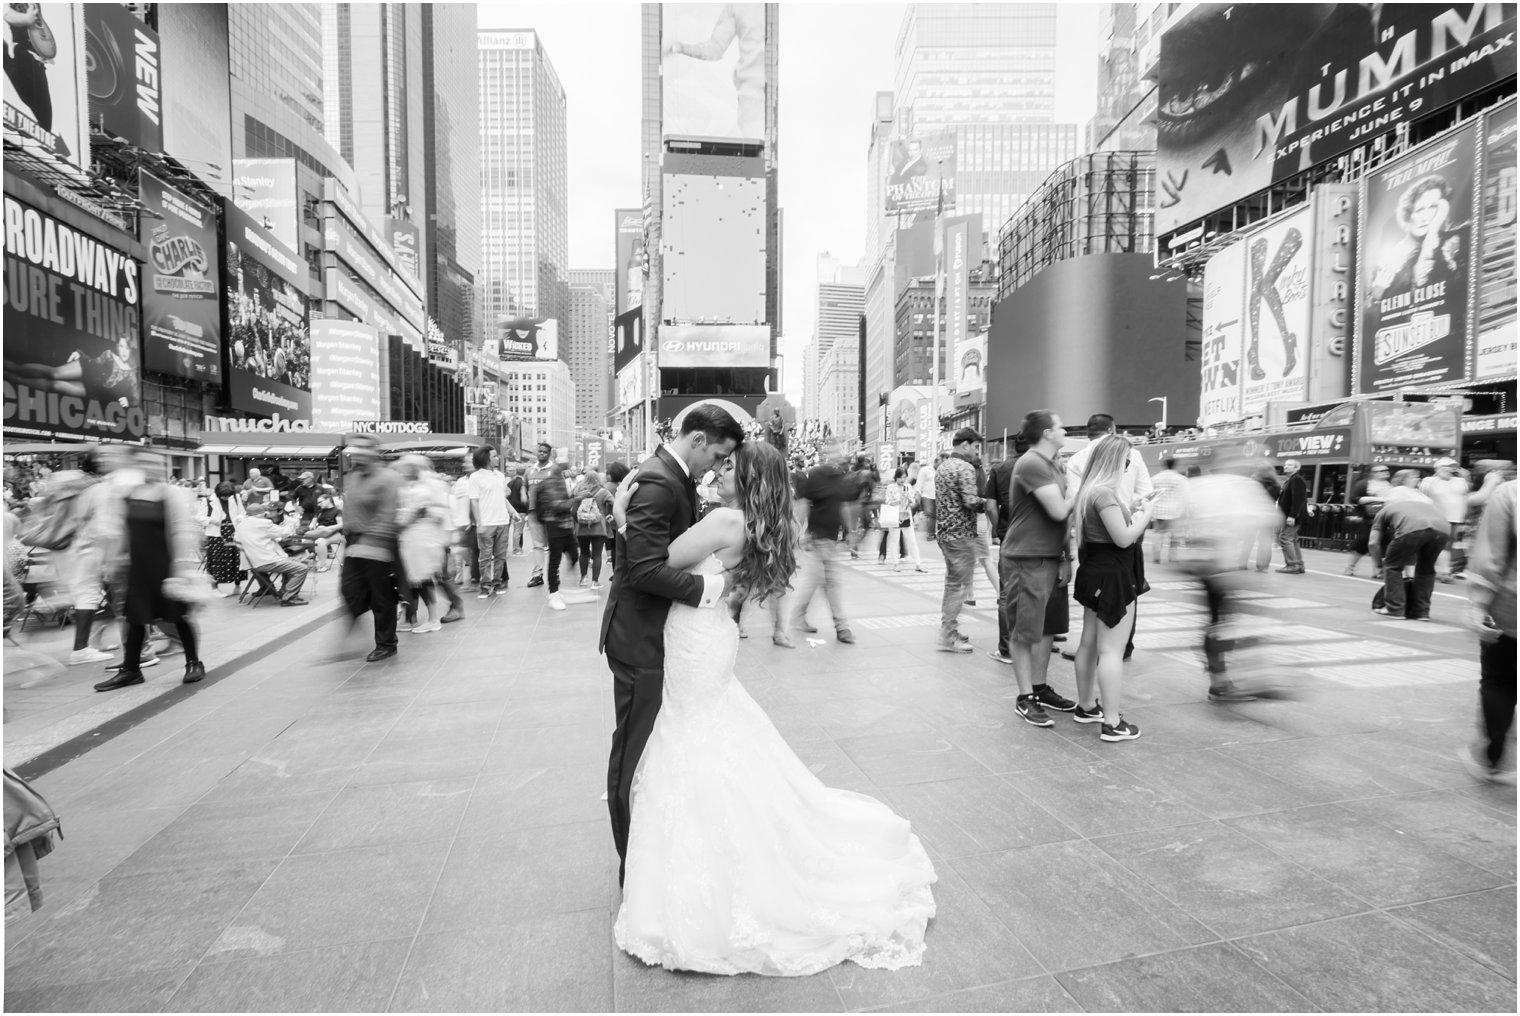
point(426, 833)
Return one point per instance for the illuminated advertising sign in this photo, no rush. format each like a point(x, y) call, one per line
point(71, 330)
point(529, 339)
point(44, 97)
point(957, 281)
point(1334, 255)
point(269, 343)
point(968, 364)
point(266, 190)
point(715, 346)
point(713, 71)
point(406, 242)
point(121, 64)
point(631, 383)
point(628, 328)
point(1223, 337)
point(712, 249)
point(182, 298)
point(345, 373)
point(1494, 335)
point(922, 173)
point(1414, 267)
point(1277, 313)
point(630, 260)
point(1251, 94)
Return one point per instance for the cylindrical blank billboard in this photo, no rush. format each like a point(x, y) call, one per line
point(345, 373)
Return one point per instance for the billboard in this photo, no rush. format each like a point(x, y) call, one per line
point(630, 260)
point(968, 365)
point(712, 249)
point(269, 344)
point(406, 242)
point(529, 339)
point(122, 72)
point(628, 328)
point(1494, 342)
point(345, 374)
point(1334, 257)
point(266, 190)
point(923, 169)
point(1250, 94)
point(1415, 266)
point(715, 346)
point(198, 98)
point(957, 282)
point(713, 71)
point(1223, 337)
point(44, 100)
point(182, 299)
point(1277, 313)
point(71, 330)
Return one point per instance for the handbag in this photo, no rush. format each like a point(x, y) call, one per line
point(889, 516)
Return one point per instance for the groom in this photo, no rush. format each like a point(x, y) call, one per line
point(663, 506)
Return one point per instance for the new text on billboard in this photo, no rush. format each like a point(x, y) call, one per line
point(123, 75)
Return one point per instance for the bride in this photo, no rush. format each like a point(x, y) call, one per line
point(739, 859)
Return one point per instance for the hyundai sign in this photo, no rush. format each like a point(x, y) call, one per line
point(715, 346)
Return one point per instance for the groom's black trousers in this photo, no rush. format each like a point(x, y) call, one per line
point(636, 696)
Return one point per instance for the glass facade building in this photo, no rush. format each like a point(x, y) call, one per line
point(523, 181)
point(451, 164)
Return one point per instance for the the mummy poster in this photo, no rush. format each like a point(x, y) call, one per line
point(1278, 261)
point(1415, 267)
point(1251, 94)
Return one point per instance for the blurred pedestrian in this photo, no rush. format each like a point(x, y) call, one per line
point(824, 492)
point(903, 498)
point(557, 519)
point(1448, 489)
point(533, 478)
point(1170, 511)
point(1107, 585)
point(1366, 501)
point(958, 503)
point(464, 552)
point(423, 524)
point(1265, 477)
point(369, 523)
point(925, 482)
point(1491, 615)
point(1410, 530)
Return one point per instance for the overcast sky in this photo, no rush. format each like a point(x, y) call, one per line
point(834, 58)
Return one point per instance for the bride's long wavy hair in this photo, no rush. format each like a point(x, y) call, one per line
point(764, 495)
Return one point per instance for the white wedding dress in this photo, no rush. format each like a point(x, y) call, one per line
point(739, 859)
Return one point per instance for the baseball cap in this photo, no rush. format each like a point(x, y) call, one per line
point(257, 508)
point(1445, 462)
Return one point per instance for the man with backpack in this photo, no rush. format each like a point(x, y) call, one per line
point(72, 497)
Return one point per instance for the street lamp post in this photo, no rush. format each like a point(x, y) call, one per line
point(1162, 400)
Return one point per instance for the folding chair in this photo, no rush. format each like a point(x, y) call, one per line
point(261, 586)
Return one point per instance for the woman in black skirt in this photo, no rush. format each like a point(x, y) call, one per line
point(1108, 583)
point(158, 524)
point(223, 562)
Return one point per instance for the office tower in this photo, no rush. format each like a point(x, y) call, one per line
point(451, 127)
point(913, 350)
point(523, 181)
point(590, 328)
point(831, 366)
point(541, 398)
point(604, 280)
point(1125, 117)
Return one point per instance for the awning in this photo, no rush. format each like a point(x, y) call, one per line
point(256, 449)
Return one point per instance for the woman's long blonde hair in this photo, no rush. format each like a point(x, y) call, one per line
point(1105, 471)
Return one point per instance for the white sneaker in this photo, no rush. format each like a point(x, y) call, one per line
point(596, 587)
point(556, 602)
point(432, 625)
point(88, 655)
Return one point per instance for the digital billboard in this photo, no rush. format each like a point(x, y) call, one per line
point(715, 346)
point(712, 250)
point(268, 340)
point(630, 260)
point(1494, 341)
point(1251, 94)
point(712, 68)
point(71, 330)
point(197, 97)
point(957, 282)
point(922, 174)
point(529, 339)
point(1414, 267)
point(182, 299)
point(1278, 260)
point(628, 331)
point(44, 94)
point(266, 190)
point(1223, 337)
point(345, 374)
point(122, 73)
point(406, 243)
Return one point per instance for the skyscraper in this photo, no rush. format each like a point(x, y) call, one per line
point(831, 368)
point(523, 181)
point(451, 126)
point(590, 327)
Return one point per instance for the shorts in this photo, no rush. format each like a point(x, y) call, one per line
point(983, 539)
point(1032, 580)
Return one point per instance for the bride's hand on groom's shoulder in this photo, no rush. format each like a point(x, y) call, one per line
point(621, 500)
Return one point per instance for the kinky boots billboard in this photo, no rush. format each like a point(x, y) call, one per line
point(72, 330)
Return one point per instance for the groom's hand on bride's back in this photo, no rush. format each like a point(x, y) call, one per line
point(621, 500)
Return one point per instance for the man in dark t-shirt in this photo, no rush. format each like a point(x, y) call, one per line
point(823, 490)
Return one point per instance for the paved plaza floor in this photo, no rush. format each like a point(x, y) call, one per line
point(310, 832)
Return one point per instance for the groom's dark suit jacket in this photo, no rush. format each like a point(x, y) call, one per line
point(644, 586)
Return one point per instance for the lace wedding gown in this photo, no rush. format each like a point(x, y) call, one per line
point(739, 859)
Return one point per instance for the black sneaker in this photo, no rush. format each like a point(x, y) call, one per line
point(1093, 715)
point(535, 581)
point(1120, 731)
point(1051, 699)
point(1028, 706)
